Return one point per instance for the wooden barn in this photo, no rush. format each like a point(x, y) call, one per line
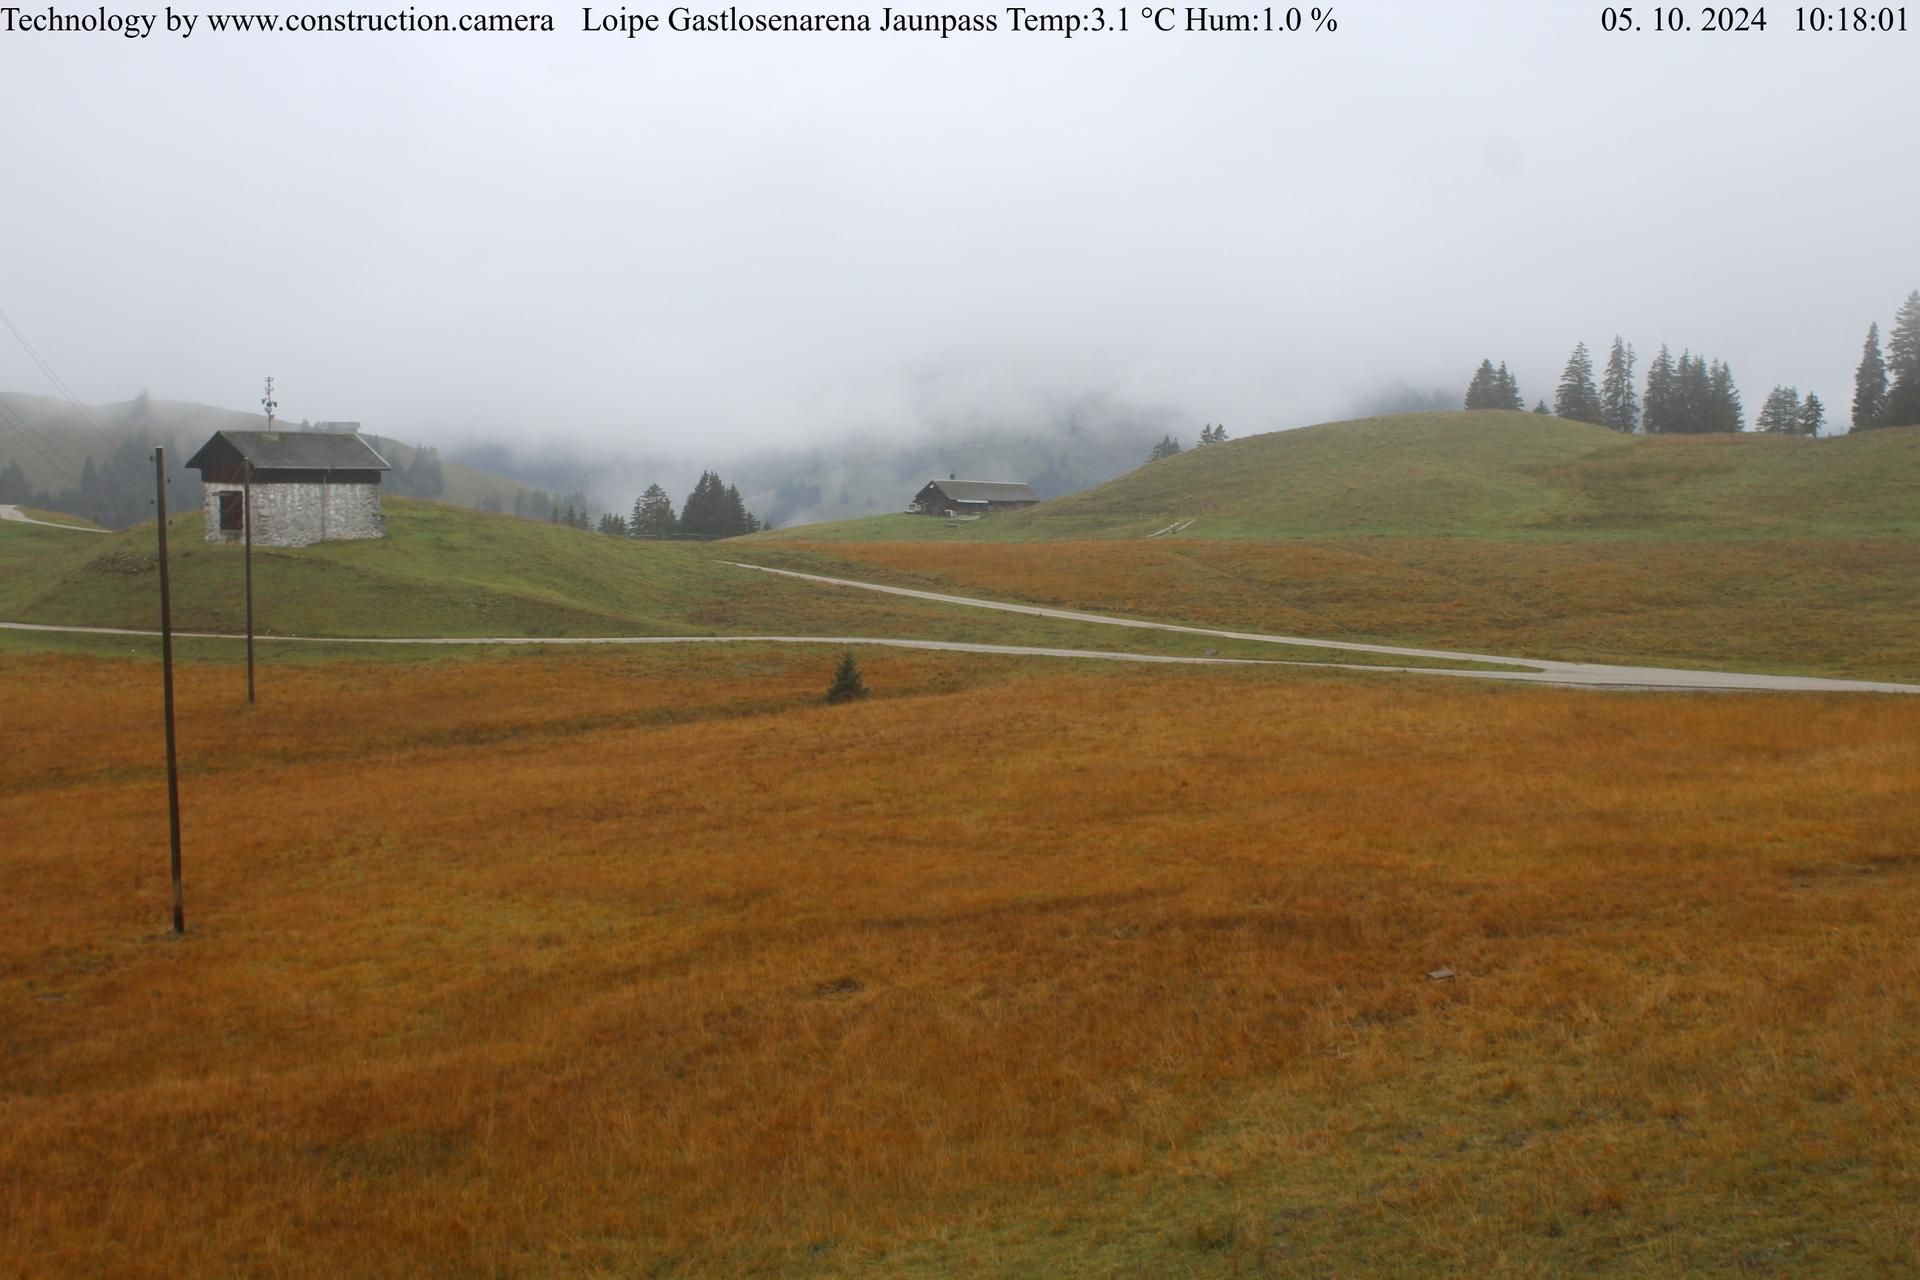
point(308, 487)
point(952, 497)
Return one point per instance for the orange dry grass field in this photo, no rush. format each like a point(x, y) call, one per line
point(646, 963)
point(1831, 606)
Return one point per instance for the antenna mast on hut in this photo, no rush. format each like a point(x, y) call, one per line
point(268, 403)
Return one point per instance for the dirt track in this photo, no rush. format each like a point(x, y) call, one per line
point(1543, 670)
point(8, 511)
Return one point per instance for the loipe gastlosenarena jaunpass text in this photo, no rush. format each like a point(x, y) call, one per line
point(734, 19)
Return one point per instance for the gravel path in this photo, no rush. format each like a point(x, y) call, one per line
point(1588, 675)
point(1543, 670)
point(8, 511)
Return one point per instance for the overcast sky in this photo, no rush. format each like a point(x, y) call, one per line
point(752, 239)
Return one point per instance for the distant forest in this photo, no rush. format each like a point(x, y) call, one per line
point(1690, 395)
point(713, 510)
point(114, 494)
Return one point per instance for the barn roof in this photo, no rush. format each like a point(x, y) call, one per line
point(290, 451)
point(985, 490)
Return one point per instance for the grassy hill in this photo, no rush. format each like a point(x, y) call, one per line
point(447, 571)
point(52, 440)
point(465, 486)
point(1492, 532)
point(1474, 474)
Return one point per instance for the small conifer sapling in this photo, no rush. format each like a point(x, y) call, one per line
point(847, 685)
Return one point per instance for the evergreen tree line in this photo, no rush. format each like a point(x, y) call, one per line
point(1168, 445)
point(713, 510)
point(1785, 413)
point(572, 517)
point(1493, 388)
point(1886, 390)
point(114, 494)
point(1687, 396)
point(421, 477)
point(537, 504)
point(1691, 395)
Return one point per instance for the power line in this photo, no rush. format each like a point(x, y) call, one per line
point(66, 392)
point(40, 443)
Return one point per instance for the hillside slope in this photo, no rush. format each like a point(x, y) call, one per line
point(52, 441)
point(441, 570)
point(446, 571)
point(1474, 474)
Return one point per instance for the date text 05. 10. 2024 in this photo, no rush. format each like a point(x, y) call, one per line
point(1729, 18)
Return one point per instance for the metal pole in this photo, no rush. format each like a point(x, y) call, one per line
point(268, 403)
point(246, 521)
point(166, 685)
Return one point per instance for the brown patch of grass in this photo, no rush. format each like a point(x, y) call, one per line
point(644, 963)
point(1833, 606)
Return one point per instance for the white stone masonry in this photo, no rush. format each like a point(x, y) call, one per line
point(299, 515)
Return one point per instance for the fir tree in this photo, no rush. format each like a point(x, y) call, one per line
point(1726, 413)
point(714, 510)
point(1167, 447)
point(1540, 407)
point(1575, 399)
point(1506, 391)
point(1780, 415)
point(1658, 418)
point(652, 514)
point(1480, 391)
point(735, 515)
point(699, 514)
point(1619, 408)
point(847, 685)
point(1870, 384)
point(421, 478)
point(1903, 363)
point(1687, 411)
point(1813, 415)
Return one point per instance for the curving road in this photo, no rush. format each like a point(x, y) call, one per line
point(887, 642)
point(1568, 674)
point(1543, 670)
point(1588, 675)
point(8, 511)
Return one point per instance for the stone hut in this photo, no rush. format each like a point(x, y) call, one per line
point(308, 487)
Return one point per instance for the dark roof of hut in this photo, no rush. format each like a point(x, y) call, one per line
point(290, 451)
point(985, 490)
